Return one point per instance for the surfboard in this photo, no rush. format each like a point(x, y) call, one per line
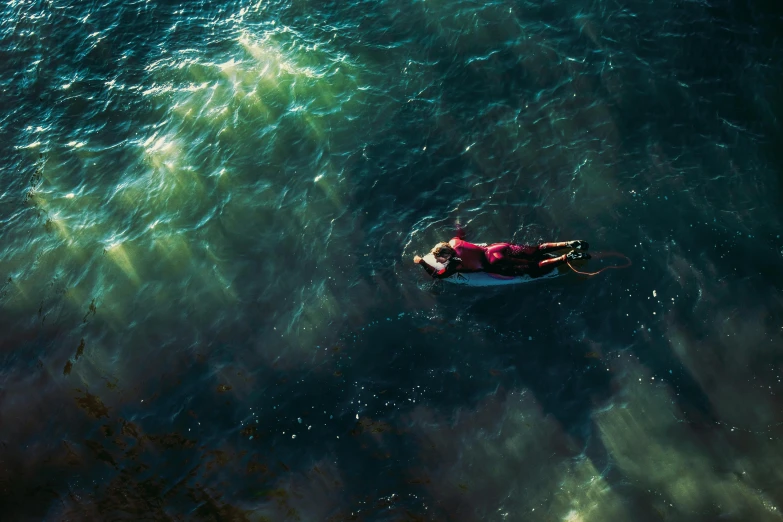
point(486, 279)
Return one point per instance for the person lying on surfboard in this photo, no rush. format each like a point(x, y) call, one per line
point(505, 259)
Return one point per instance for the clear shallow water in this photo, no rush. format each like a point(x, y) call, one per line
point(209, 311)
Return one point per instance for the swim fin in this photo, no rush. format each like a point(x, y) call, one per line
point(576, 256)
point(579, 245)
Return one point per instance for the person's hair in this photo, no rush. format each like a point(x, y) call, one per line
point(443, 248)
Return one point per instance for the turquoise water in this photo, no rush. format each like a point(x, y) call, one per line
point(208, 309)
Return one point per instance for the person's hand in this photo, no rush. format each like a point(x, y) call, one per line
point(416, 259)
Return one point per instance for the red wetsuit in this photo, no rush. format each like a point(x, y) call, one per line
point(473, 257)
point(499, 258)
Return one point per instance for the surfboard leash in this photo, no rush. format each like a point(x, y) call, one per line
point(601, 255)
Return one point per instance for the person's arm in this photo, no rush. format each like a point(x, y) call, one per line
point(443, 273)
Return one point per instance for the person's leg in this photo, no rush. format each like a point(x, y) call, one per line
point(499, 253)
point(551, 262)
point(510, 253)
point(577, 244)
point(546, 265)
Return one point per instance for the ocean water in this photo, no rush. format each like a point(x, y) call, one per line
point(208, 306)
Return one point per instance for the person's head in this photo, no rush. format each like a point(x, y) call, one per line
point(443, 252)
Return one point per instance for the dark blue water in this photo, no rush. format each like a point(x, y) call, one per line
point(209, 310)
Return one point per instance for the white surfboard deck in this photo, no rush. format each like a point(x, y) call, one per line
point(486, 279)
